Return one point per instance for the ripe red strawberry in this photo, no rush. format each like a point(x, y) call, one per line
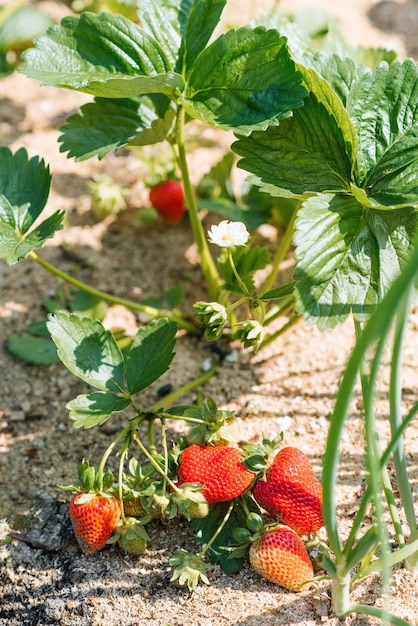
point(280, 556)
point(219, 469)
point(168, 198)
point(94, 519)
point(291, 492)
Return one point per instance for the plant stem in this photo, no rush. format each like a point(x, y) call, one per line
point(341, 594)
point(208, 265)
point(281, 252)
point(396, 421)
point(177, 393)
point(382, 614)
point(236, 274)
point(281, 331)
point(373, 447)
point(152, 312)
point(154, 463)
point(217, 532)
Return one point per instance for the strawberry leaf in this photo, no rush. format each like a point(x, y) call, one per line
point(203, 18)
point(32, 349)
point(88, 350)
point(244, 80)
point(95, 408)
point(165, 21)
point(24, 189)
point(336, 240)
point(310, 152)
point(24, 183)
point(384, 107)
point(105, 55)
point(108, 124)
point(150, 354)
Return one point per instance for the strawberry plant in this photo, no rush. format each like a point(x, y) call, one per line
point(336, 142)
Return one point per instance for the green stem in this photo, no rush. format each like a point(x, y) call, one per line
point(374, 450)
point(287, 304)
point(361, 511)
point(377, 327)
point(208, 265)
point(154, 463)
point(236, 274)
point(382, 614)
point(281, 331)
point(177, 393)
point(281, 252)
point(396, 421)
point(378, 474)
point(151, 441)
point(216, 534)
point(111, 447)
point(152, 312)
point(123, 454)
point(340, 594)
point(165, 452)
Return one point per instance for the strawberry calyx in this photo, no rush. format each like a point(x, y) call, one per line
point(189, 569)
point(131, 535)
point(217, 427)
point(92, 480)
point(258, 456)
point(189, 500)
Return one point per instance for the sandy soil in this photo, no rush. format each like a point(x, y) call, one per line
point(44, 578)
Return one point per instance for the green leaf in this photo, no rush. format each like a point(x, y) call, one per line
point(279, 292)
point(95, 408)
point(384, 108)
point(311, 152)
point(12, 246)
point(166, 21)
point(203, 18)
point(88, 350)
point(347, 256)
point(105, 55)
point(31, 349)
point(25, 184)
point(174, 295)
point(244, 80)
point(108, 124)
point(150, 354)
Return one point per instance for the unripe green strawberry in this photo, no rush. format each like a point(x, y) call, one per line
point(135, 546)
point(280, 556)
point(291, 492)
point(219, 469)
point(94, 518)
point(168, 199)
point(131, 536)
point(134, 508)
point(198, 509)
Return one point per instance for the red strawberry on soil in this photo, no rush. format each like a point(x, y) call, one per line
point(168, 199)
point(219, 469)
point(94, 519)
point(291, 492)
point(280, 556)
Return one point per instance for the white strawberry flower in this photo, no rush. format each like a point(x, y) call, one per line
point(227, 234)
